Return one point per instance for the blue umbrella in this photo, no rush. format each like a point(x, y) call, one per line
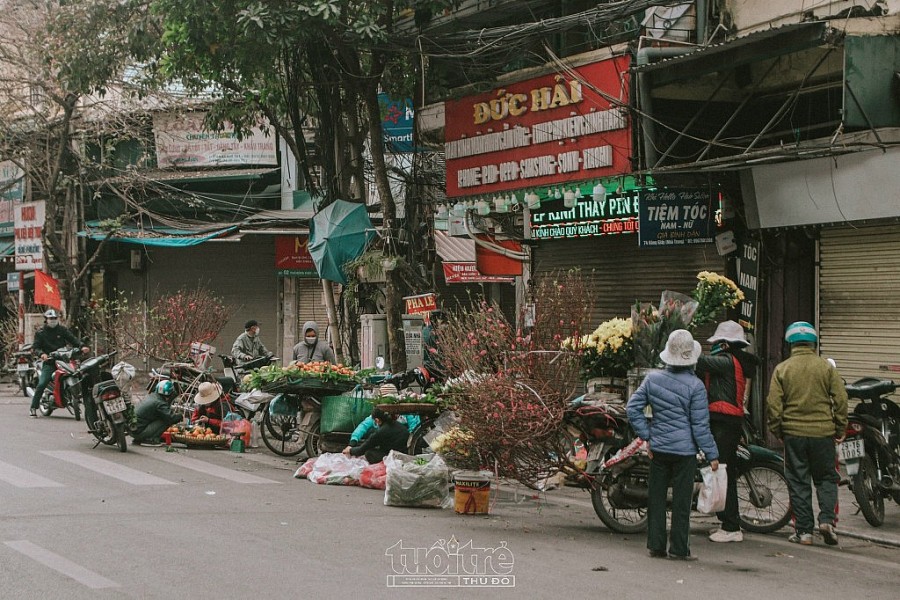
point(338, 234)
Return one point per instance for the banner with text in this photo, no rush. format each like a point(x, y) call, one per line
point(292, 257)
point(676, 217)
point(182, 140)
point(545, 130)
point(29, 232)
point(746, 265)
point(588, 218)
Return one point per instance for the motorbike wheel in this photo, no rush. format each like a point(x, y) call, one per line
point(764, 504)
point(867, 492)
point(47, 405)
point(75, 403)
point(620, 520)
point(121, 440)
point(23, 385)
point(286, 440)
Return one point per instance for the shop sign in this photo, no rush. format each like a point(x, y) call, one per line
point(747, 279)
point(12, 190)
point(292, 257)
point(397, 118)
point(182, 140)
point(29, 230)
point(467, 272)
point(676, 217)
point(612, 215)
point(541, 131)
point(12, 282)
point(423, 303)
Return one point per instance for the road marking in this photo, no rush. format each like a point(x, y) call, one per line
point(62, 565)
point(209, 469)
point(24, 479)
point(108, 468)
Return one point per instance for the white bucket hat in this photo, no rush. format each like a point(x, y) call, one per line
point(731, 332)
point(681, 349)
point(208, 393)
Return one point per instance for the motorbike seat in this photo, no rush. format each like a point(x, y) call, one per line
point(227, 383)
point(870, 388)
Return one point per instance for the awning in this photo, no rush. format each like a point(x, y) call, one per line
point(458, 257)
point(156, 235)
point(7, 247)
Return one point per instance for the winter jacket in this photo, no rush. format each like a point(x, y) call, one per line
point(153, 408)
point(247, 348)
point(212, 412)
point(390, 436)
point(806, 397)
point(725, 375)
point(680, 423)
point(50, 339)
point(304, 353)
point(368, 424)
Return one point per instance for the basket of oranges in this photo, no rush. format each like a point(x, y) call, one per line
point(197, 437)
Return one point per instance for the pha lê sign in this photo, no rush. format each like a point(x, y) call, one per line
point(423, 303)
point(29, 231)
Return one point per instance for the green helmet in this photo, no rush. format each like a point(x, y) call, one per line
point(801, 331)
point(165, 388)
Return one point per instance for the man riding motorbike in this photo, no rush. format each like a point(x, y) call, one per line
point(52, 336)
point(248, 346)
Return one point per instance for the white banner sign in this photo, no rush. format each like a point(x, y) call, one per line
point(29, 231)
point(182, 141)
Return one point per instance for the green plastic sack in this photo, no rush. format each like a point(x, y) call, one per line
point(343, 413)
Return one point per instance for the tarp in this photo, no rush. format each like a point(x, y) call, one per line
point(169, 237)
point(338, 234)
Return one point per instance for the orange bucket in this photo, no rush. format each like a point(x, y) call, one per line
point(472, 494)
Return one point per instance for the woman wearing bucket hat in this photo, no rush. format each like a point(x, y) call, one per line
point(726, 373)
point(209, 406)
point(678, 429)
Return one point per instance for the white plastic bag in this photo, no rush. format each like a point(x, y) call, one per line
point(712, 493)
point(337, 469)
point(422, 480)
point(123, 373)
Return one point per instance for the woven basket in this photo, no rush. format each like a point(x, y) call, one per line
point(308, 386)
point(343, 413)
point(405, 408)
point(200, 443)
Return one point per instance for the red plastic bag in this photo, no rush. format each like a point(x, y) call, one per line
point(235, 427)
point(374, 476)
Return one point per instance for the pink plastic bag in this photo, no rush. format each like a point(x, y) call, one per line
point(306, 468)
point(373, 476)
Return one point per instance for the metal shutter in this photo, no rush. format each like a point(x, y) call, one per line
point(859, 276)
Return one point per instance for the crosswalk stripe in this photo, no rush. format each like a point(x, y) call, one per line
point(108, 468)
point(209, 469)
point(62, 565)
point(24, 479)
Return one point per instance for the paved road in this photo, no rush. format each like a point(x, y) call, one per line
point(78, 522)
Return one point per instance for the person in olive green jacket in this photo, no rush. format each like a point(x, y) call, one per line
point(807, 408)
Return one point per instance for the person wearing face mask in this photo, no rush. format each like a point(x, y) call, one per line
point(52, 336)
point(248, 345)
point(312, 349)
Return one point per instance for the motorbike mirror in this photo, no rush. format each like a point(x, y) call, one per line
point(379, 363)
point(831, 362)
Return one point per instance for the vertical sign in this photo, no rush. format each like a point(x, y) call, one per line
point(29, 230)
point(747, 271)
point(397, 117)
point(12, 190)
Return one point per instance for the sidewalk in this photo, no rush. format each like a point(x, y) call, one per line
point(851, 524)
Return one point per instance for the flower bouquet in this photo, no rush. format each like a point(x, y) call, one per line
point(713, 293)
point(608, 351)
point(457, 447)
point(652, 325)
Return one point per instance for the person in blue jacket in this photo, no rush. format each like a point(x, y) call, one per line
point(678, 429)
point(366, 427)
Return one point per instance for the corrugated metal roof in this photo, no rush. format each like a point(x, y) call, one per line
point(454, 249)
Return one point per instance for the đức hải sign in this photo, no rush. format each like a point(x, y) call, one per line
point(541, 131)
point(676, 217)
point(588, 218)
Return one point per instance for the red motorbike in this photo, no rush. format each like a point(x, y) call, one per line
point(65, 389)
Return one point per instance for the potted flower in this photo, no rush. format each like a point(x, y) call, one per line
point(606, 355)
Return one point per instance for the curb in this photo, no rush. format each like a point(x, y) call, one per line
point(875, 539)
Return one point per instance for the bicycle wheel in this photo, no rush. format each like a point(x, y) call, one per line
point(764, 504)
point(313, 436)
point(281, 434)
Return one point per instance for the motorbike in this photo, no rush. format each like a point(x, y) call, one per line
point(64, 390)
point(871, 448)
point(618, 473)
point(26, 373)
point(108, 413)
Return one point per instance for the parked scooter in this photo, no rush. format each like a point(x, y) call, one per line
point(619, 473)
point(26, 372)
point(871, 449)
point(107, 412)
point(64, 390)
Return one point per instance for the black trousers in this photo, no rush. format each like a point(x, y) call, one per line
point(678, 472)
point(727, 436)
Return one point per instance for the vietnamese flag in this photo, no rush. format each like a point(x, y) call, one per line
point(46, 290)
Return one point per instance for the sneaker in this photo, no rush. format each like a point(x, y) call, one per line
point(146, 443)
point(828, 532)
point(726, 536)
point(804, 539)
point(713, 530)
point(679, 557)
point(32, 413)
point(656, 553)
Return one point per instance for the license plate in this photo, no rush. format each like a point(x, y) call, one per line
point(851, 449)
point(23, 368)
point(114, 406)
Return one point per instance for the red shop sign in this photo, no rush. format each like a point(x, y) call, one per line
point(542, 131)
point(423, 303)
point(292, 256)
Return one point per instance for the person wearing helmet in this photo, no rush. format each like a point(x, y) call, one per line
point(807, 408)
point(726, 372)
point(154, 415)
point(49, 338)
point(312, 349)
point(248, 345)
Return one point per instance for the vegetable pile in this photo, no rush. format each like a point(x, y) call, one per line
point(298, 372)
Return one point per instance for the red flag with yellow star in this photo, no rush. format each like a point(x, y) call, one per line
point(46, 290)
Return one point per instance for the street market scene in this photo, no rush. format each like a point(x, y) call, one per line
point(449, 298)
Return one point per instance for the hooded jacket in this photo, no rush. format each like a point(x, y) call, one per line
point(304, 353)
